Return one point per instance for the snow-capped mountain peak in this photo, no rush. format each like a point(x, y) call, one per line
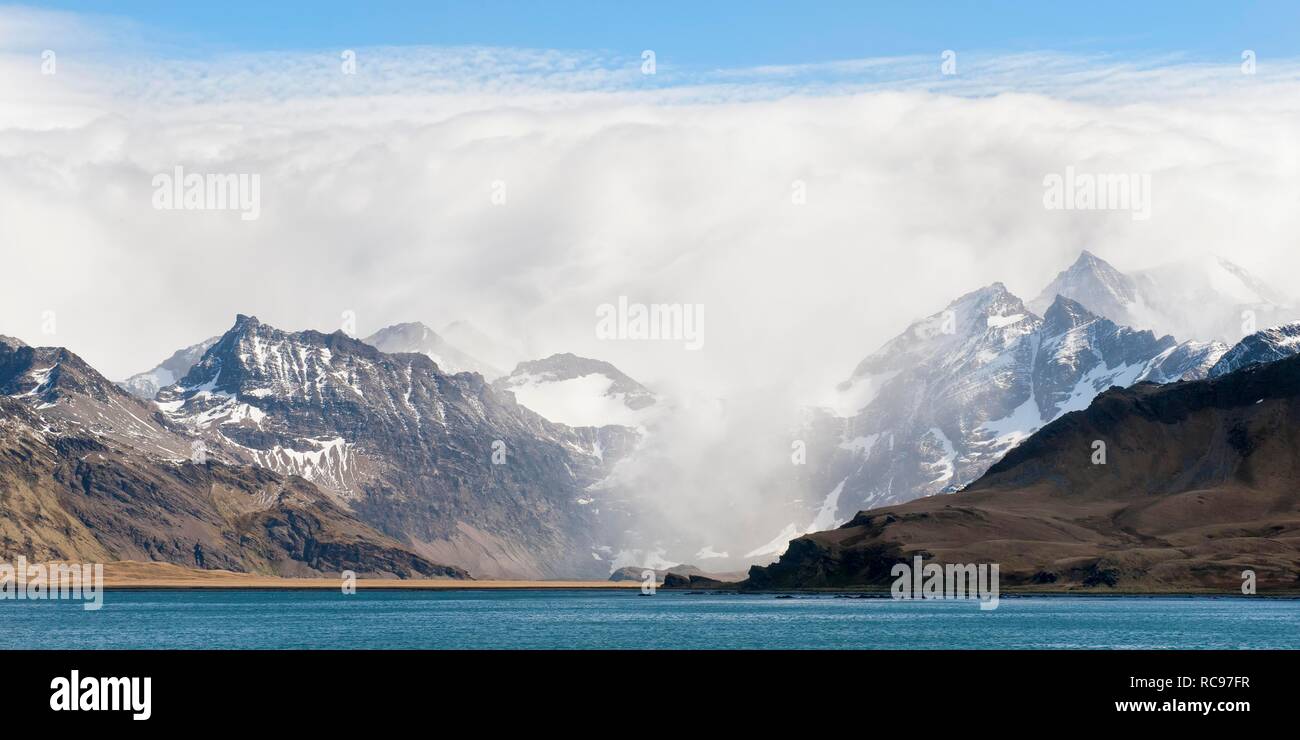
point(991, 310)
point(974, 328)
point(420, 339)
point(1094, 283)
point(1065, 314)
point(259, 365)
point(933, 410)
point(578, 391)
point(1205, 297)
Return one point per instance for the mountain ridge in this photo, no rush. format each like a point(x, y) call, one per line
point(1198, 485)
point(948, 396)
point(89, 472)
point(439, 461)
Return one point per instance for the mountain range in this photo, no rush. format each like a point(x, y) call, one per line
point(442, 462)
point(430, 460)
point(1195, 489)
point(412, 442)
point(934, 407)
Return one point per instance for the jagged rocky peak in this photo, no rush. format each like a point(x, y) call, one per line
point(991, 310)
point(420, 339)
point(71, 397)
point(935, 406)
point(410, 333)
point(1202, 296)
point(1267, 345)
point(1112, 342)
point(11, 342)
point(132, 498)
point(1095, 283)
point(98, 474)
point(1191, 360)
point(990, 307)
point(262, 361)
point(1065, 314)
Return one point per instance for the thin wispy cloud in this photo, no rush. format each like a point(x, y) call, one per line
point(121, 58)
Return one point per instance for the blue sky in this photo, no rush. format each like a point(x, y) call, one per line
point(701, 35)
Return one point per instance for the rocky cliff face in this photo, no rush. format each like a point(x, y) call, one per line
point(1198, 483)
point(443, 462)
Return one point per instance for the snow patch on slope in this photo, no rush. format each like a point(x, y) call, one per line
point(778, 545)
point(578, 402)
point(330, 465)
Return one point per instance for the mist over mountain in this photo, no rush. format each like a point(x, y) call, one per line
point(946, 406)
point(416, 337)
point(1205, 297)
point(933, 408)
point(1196, 484)
point(1092, 282)
point(568, 467)
point(499, 355)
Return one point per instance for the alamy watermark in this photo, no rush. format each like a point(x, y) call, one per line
point(1106, 191)
point(229, 191)
point(76, 693)
point(649, 582)
point(34, 582)
point(951, 581)
point(682, 322)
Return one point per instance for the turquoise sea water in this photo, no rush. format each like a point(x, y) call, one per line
point(604, 619)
